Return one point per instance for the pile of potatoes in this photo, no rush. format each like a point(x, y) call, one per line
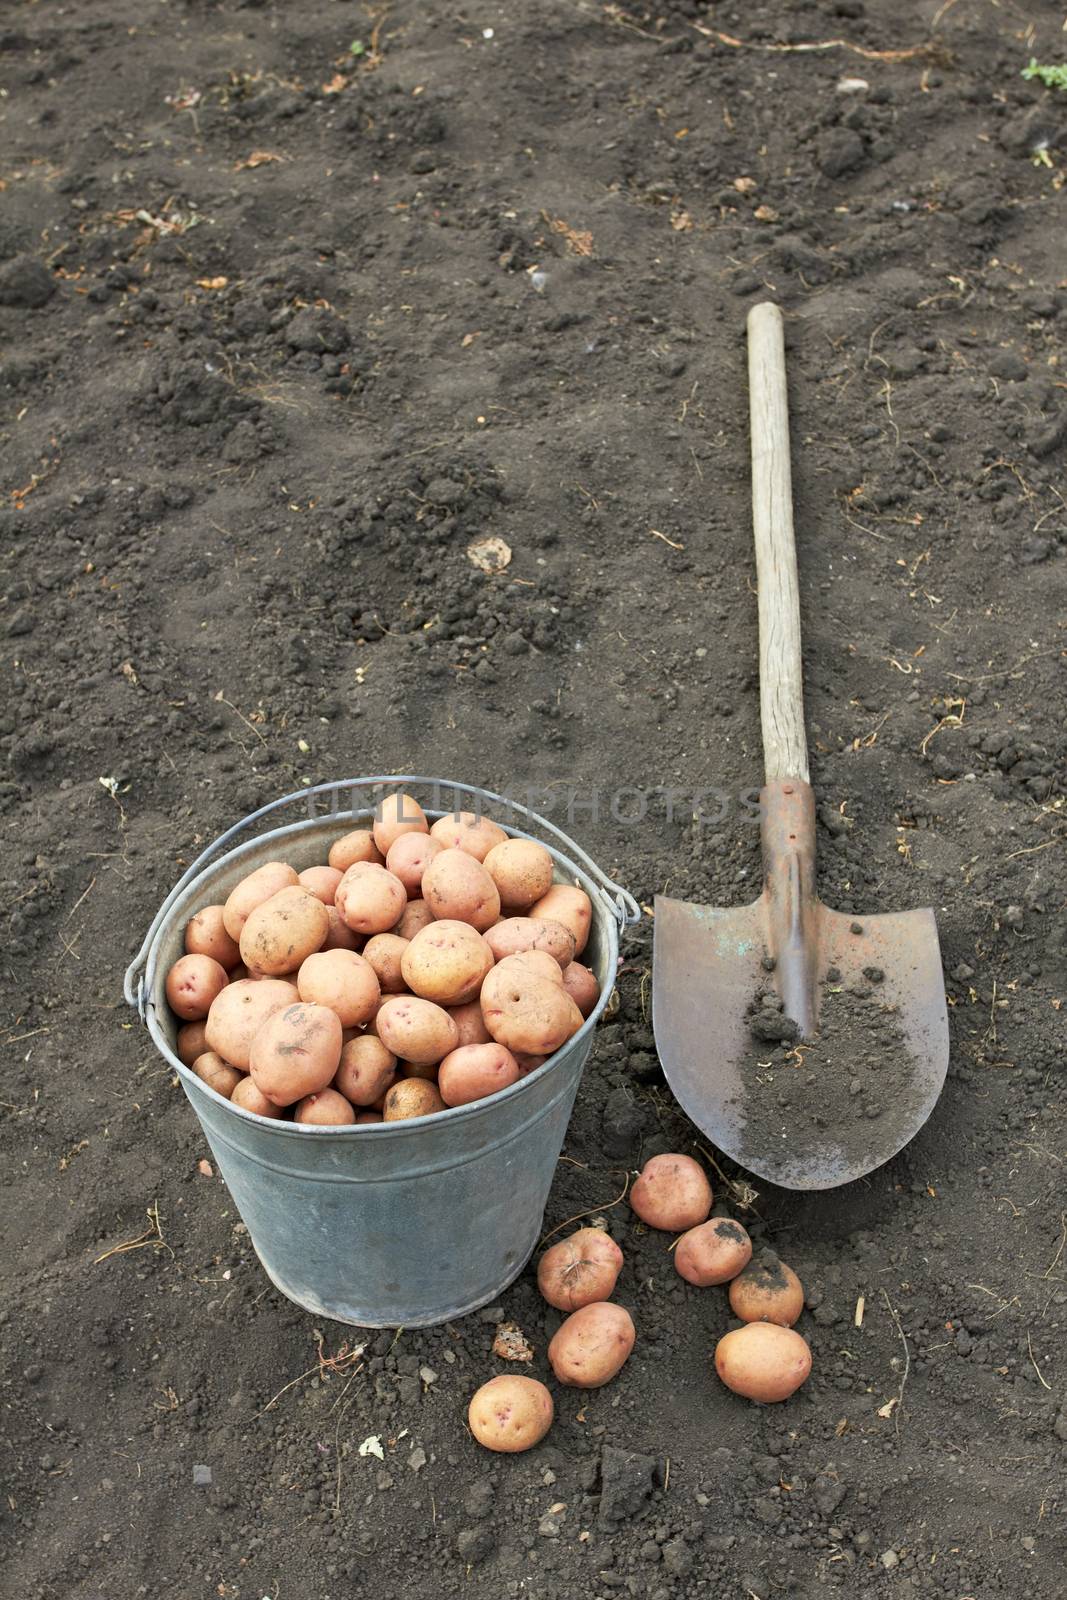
point(420, 968)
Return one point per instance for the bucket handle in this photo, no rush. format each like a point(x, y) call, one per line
point(625, 907)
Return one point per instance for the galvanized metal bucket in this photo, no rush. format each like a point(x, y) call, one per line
point(385, 1224)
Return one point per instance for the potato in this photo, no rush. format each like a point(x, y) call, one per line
point(570, 906)
point(464, 830)
point(217, 1074)
point(592, 1345)
point(369, 898)
point(522, 871)
point(415, 915)
point(249, 1098)
point(417, 1069)
point(353, 847)
point(366, 1070)
point(191, 1041)
point(525, 1012)
point(580, 1270)
point(205, 935)
point(515, 934)
point(446, 962)
point(528, 1063)
point(281, 933)
point(384, 952)
point(457, 887)
point(531, 964)
point(714, 1252)
point(397, 814)
point(240, 1011)
point(369, 1116)
point(252, 891)
point(342, 980)
point(763, 1361)
point(235, 974)
point(582, 986)
point(415, 1029)
point(296, 1053)
point(192, 984)
point(767, 1291)
point(470, 1024)
point(510, 1413)
point(339, 935)
point(475, 1070)
point(672, 1193)
point(321, 882)
point(409, 856)
point(326, 1109)
point(411, 1097)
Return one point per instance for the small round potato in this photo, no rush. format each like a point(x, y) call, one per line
point(522, 871)
point(470, 1024)
point(321, 882)
point(415, 915)
point(525, 1012)
point(192, 984)
point(240, 1011)
point(767, 1291)
point(326, 1109)
point(385, 953)
point(366, 1070)
point(409, 856)
point(465, 830)
point(474, 1071)
point(714, 1252)
point(339, 935)
point(570, 906)
point(281, 933)
point(252, 891)
point(516, 934)
point(217, 1074)
point(370, 898)
point(580, 1270)
point(763, 1361)
point(296, 1053)
point(672, 1193)
point(191, 1041)
point(592, 1345)
point(411, 1097)
point(510, 1413)
point(416, 1030)
point(342, 980)
point(457, 887)
point(353, 847)
point(249, 1098)
point(205, 935)
point(397, 814)
point(582, 986)
point(446, 962)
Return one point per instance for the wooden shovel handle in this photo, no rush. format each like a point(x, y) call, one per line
point(781, 681)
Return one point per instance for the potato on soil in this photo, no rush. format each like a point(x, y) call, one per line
point(510, 1413)
point(296, 1053)
point(370, 898)
point(526, 1012)
point(582, 986)
point(470, 1024)
point(217, 1074)
point(193, 983)
point(446, 962)
point(672, 1193)
point(763, 1361)
point(713, 1252)
point(592, 1345)
point(339, 935)
point(240, 1011)
point(411, 1097)
point(283, 931)
point(326, 1109)
point(456, 887)
point(416, 1030)
point(465, 830)
point(366, 1070)
point(342, 980)
point(474, 1071)
point(415, 915)
point(409, 856)
point(522, 871)
point(192, 1041)
point(352, 847)
point(767, 1291)
point(568, 905)
point(580, 1270)
point(397, 814)
point(249, 1098)
point(321, 882)
point(252, 891)
point(515, 934)
point(384, 952)
point(205, 935)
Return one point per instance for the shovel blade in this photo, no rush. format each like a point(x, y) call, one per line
point(708, 967)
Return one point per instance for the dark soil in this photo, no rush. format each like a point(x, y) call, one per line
point(254, 411)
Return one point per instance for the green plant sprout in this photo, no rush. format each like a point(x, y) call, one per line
point(357, 48)
point(1052, 77)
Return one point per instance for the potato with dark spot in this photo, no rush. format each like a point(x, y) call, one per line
point(251, 892)
point(568, 905)
point(515, 934)
point(411, 1097)
point(526, 1012)
point(767, 1291)
point(370, 898)
point(522, 871)
point(296, 1053)
point(193, 983)
point(580, 1270)
point(465, 830)
point(456, 887)
point(280, 934)
point(713, 1252)
point(398, 813)
point(205, 935)
point(356, 846)
point(763, 1362)
point(446, 962)
point(592, 1346)
point(510, 1413)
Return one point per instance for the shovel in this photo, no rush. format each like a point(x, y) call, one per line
point(808, 1044)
